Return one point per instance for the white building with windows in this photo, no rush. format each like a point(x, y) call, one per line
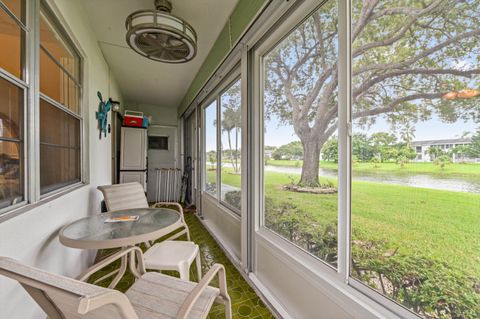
point(422, 148)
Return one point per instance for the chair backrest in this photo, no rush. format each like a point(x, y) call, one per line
point(124, 196)
point(62, 297)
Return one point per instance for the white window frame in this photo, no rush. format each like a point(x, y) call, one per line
point(31, 86)
point(54, 18)
point(25, 85)
point(208, 103)
point(225, 83)
point(340, 277)
point(282, 30)
point(231, 80)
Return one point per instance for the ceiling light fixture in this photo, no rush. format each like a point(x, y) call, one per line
point(161, 36)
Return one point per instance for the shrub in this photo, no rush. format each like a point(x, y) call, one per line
point(375, 162)
point(211, 187)
point(234, 198)
point(302, 229)
point(442, 160)
point(402, 160)
point(427, 286)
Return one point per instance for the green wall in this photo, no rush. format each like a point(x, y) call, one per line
point(239, 20)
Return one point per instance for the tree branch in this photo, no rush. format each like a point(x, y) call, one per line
point(368, 84)
point(423, 54)
point(392, 105)
point(367, 9)
point(393, 37)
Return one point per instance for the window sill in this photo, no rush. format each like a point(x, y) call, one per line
point(221, 206)
point(60, 191)
point(43, 200)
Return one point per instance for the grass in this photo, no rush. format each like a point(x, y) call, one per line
point(457, 169)
point(444, 225)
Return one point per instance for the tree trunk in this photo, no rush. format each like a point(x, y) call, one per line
point(237, 169)
point(230, 149)
point(311, 157)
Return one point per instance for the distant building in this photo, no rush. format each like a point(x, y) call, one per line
point(268, 154)
point(423, 154)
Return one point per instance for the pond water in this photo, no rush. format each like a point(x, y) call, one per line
point(458, 184)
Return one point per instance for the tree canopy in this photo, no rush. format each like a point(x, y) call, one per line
point(406, 56)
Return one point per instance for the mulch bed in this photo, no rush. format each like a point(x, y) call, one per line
point(311, 190)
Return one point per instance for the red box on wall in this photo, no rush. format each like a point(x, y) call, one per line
point(132, 118)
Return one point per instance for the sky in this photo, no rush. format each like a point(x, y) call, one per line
point(277, 135)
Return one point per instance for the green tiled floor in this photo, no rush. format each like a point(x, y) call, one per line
point(245, 303)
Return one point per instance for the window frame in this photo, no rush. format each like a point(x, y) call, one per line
point(50, 12)
point(231, 80)
point(215, 95)
point(24, 85)
point(30, 83)
point(208, 102)
point(339, 277)
point(283, 28)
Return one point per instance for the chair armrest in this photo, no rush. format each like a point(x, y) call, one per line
point(114, 298)
point(160, 204)
point(200, 287)
point(180, 208)
point(112, 258)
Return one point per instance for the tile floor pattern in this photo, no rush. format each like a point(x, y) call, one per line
point(245, 303)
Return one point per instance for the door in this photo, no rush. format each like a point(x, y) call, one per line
point(162, 153)
point(133, 176)
point(133, 149)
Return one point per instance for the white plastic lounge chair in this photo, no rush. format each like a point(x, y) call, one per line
point(153, 295)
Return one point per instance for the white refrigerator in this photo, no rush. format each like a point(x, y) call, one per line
point(133, 156)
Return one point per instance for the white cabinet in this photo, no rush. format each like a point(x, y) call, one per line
point(133, 156)
point(134, 176)
point(133, 149)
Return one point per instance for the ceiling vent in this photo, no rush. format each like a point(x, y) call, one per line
point(161, 36)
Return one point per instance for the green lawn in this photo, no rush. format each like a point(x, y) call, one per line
point(457, 169)
point(443, 225)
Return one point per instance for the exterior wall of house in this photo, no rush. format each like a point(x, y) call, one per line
point(32, 237)
point(423, 155)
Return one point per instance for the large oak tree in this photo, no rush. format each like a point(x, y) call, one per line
point(406, 56)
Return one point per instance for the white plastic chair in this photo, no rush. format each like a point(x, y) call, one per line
point(174, 255)
point(153, 295)
point(132, 195)
point(166, 255)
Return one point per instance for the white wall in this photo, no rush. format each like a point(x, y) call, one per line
point(224, 225)
point(32, 236)
point(161, 115)
point(299, 293)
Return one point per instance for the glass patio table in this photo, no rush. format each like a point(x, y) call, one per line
point(94, 233)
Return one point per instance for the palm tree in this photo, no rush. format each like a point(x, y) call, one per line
point(434, 152)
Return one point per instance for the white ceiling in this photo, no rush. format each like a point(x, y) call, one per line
point(143, 81)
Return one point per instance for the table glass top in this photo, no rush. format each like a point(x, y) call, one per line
point(95, 228)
